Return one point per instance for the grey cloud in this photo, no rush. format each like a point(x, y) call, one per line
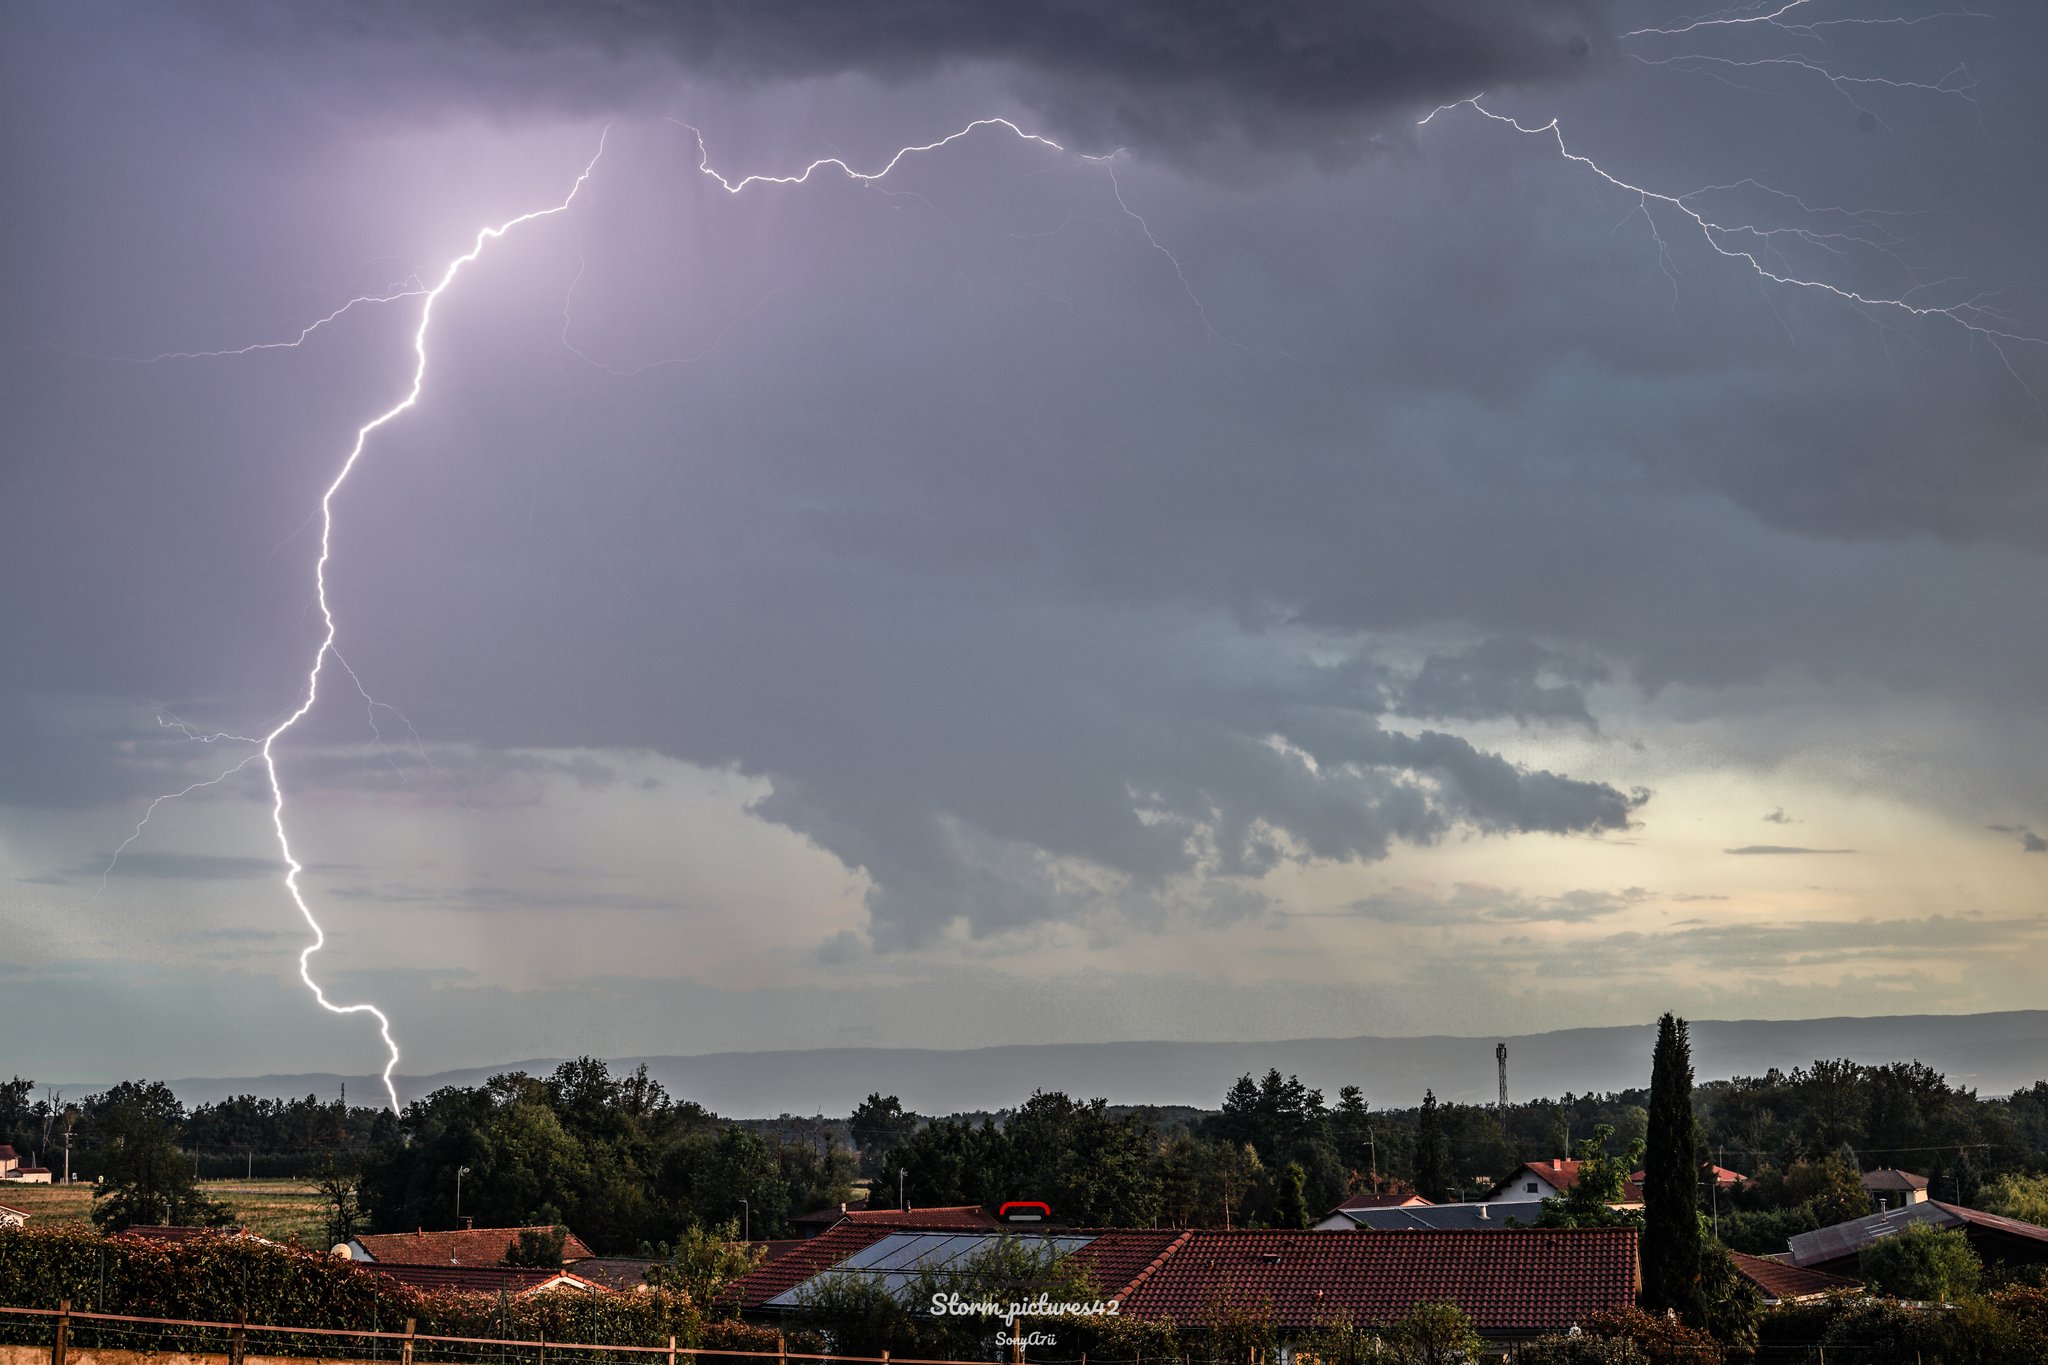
point(185, 867)
point(1772, 850)
point(1777, 816)
point(1501, 676)
point(2033, 843)
point(486, 897)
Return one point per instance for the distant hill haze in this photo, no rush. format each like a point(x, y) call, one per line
point(1993, 1053)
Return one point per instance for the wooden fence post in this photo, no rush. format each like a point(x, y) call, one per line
point(63, 1341)
point(671, 1349)
point(405, 1347)
point(238, 1340)
point(781, 1348)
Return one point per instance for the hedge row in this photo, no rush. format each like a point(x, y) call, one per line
point(227, 1279)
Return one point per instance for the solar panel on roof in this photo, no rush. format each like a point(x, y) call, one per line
point(898, 1259)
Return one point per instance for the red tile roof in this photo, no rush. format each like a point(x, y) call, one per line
point(1510, 1282)
point(13, 1212)
point(1562, 1174)
point(810, 1257)
point(484, 1279)
point(458, 1246)
point(7, 1153)
point(1888, 1180)
point(1783, 1282)
point(1115, 1261)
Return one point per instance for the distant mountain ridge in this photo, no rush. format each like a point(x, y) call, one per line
point(1994, 1053)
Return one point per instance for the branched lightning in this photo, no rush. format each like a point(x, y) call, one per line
point(266, 750)
point(1972, 315)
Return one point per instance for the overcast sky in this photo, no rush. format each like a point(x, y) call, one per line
point(1266, 567)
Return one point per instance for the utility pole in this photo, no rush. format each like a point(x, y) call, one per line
point(460, 1171)
point(746, 1221)
point(1500, 1058)
point(902, 1201)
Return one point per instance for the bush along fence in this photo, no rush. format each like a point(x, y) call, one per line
point(228, 1280)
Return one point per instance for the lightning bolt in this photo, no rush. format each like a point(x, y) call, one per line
point(267, 744)
point(1723, 238)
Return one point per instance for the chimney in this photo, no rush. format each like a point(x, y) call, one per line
point(1482, 1211)
point(469, 1222)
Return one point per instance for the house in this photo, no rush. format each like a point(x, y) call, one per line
point(1779, 1282)
point(945, 1217)
point(11, 1217)
point(514, 1281)
point(1538, 1180)
point(1996, 1240)
point(1711, 1177)
point(1338, 1218)
point(1890, 1189)
point(14, 1171)
point(456, 1246)
point(1513, 1284)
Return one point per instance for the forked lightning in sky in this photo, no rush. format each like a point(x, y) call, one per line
point(1745, 244)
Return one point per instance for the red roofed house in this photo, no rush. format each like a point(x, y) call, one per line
point(1534, 1180)
point(11, 1217)
point(1513, 1284)
point(944, 1218)
point(12, 1171)
point(1996, 1240)
point(457, 1246)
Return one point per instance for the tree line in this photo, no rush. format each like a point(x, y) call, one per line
point(625, 1164)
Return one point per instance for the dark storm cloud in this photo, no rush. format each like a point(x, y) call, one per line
point(2033, 843)
point(1167, 76)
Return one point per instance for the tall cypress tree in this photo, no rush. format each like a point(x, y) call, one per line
point(1672, 1247)
point(1432, 1153)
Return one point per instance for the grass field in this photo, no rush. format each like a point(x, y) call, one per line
point(278, 1209)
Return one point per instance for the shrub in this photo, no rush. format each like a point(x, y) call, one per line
point(1926, 1264)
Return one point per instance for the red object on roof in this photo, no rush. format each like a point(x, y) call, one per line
point(1783, 1282)
point(1515, 1281)
point(458, 1246)
point(812, 1256)
point(512, 1280)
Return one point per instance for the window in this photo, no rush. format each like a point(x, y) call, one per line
point(1529, 1188)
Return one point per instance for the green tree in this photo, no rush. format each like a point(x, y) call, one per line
point(1601, 1181)
point(540, 1248)
point(1095, 1169)
point(144, 1177)
point(1434, 1334)
point(1934, 1265)
point(1432, 1153)
point(1671, 1243)
point(878, 1124)
point(1291, 1209)
point(702, 1262)
point(2024, 1197)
